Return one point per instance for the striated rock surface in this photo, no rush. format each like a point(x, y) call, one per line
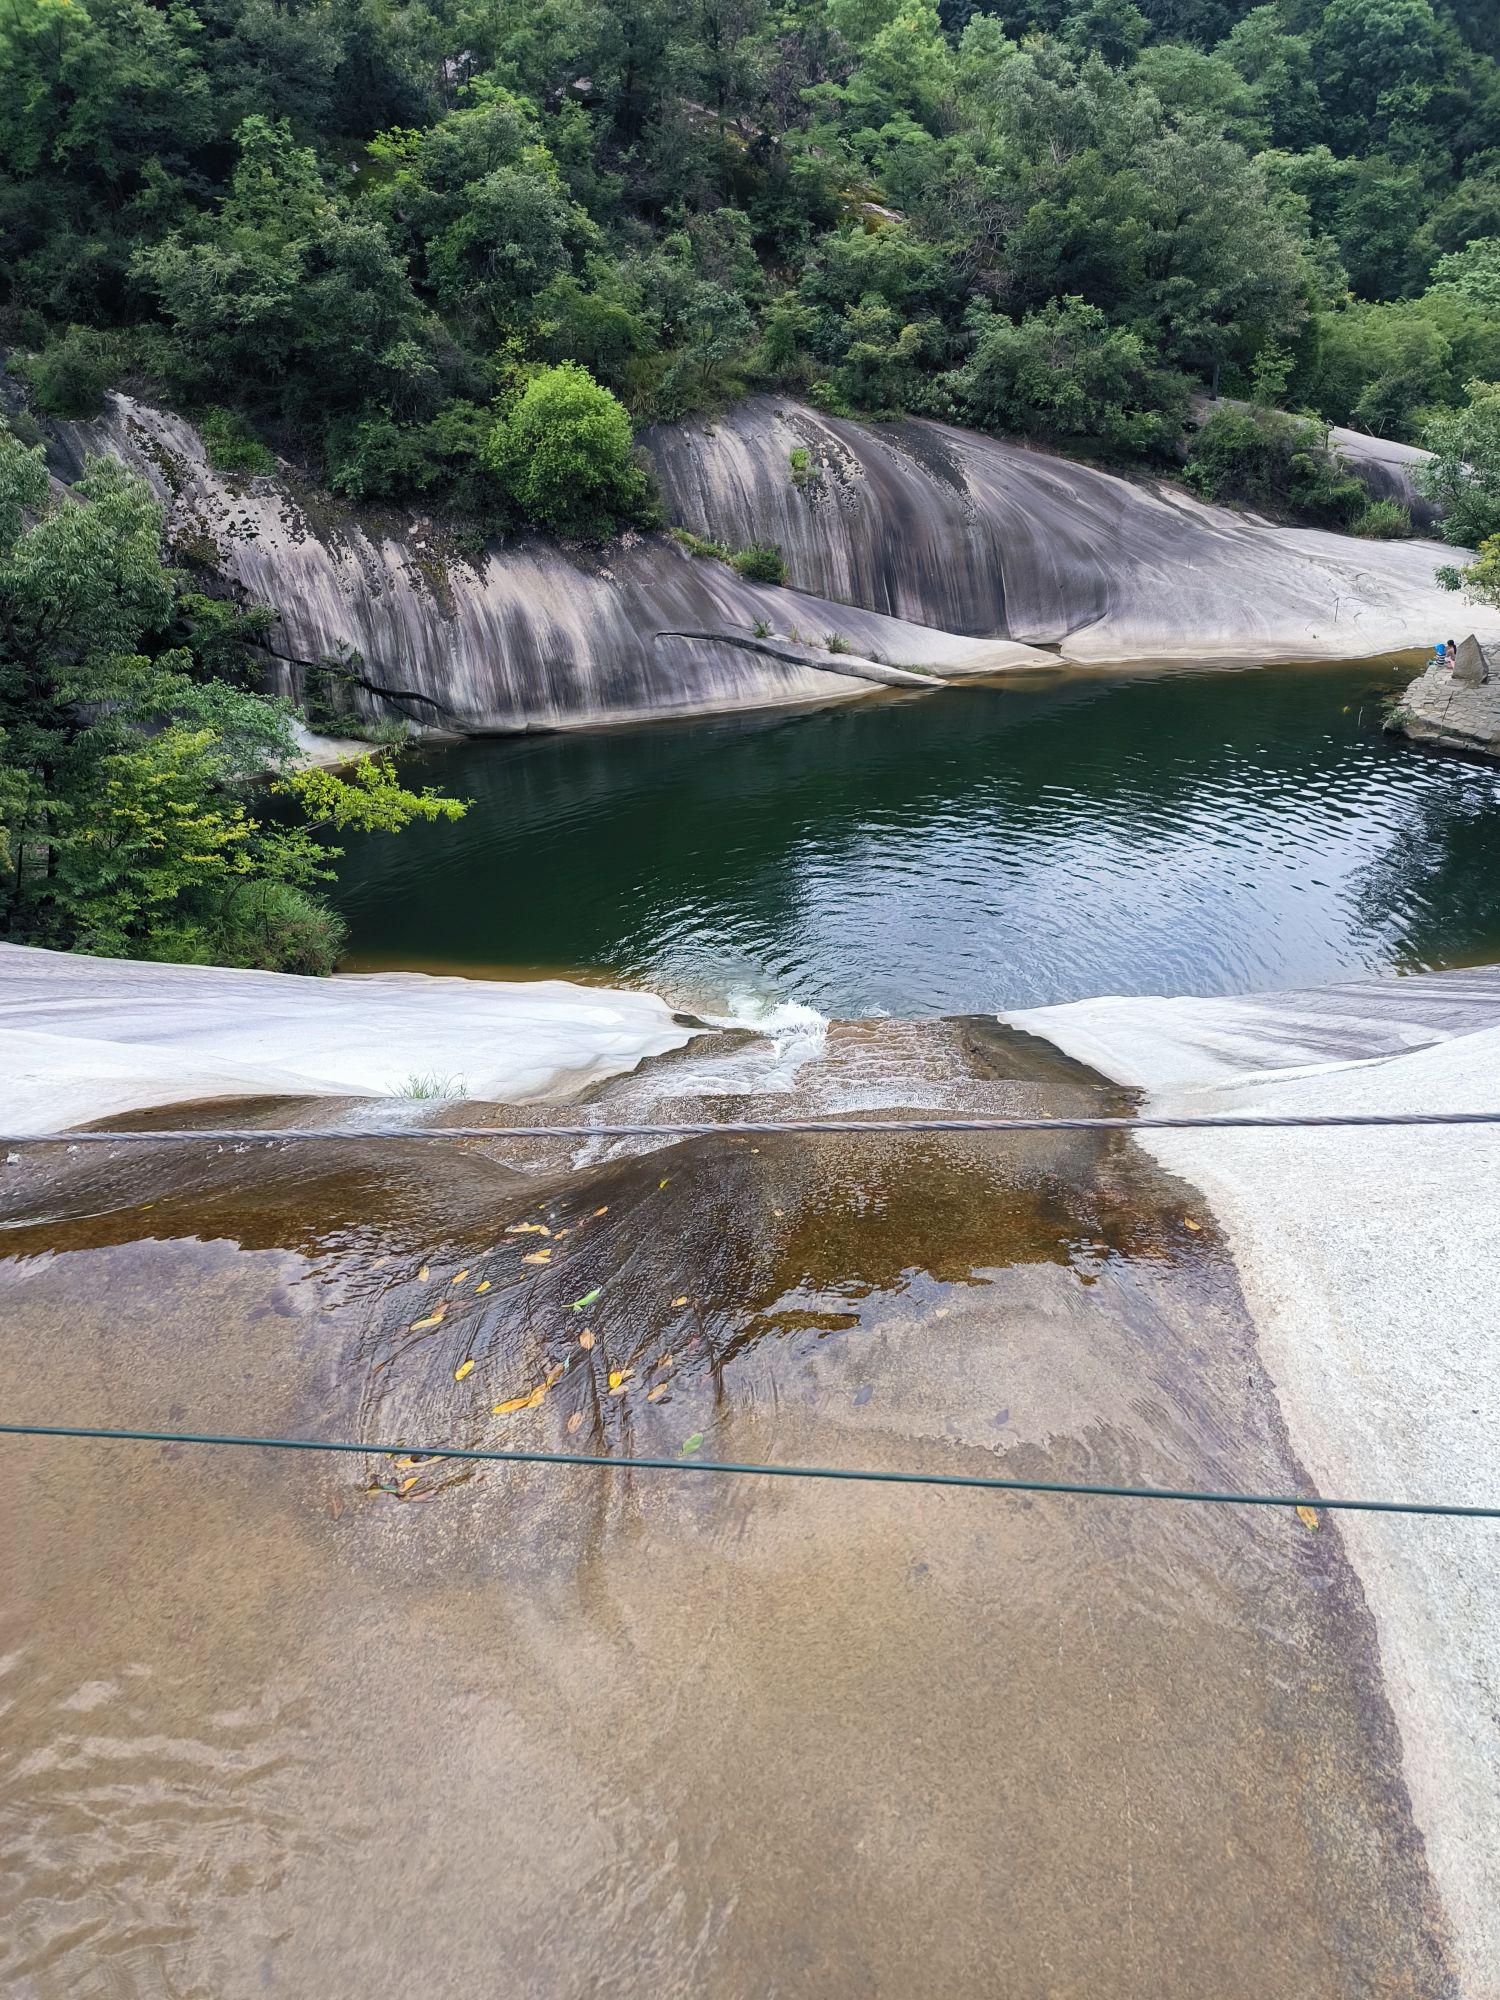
point(1457, 708)
point(918, 546)
point(529, 635)
point(951, 528)
point(84, 1038)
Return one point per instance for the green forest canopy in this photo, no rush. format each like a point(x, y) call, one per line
point(357, 230)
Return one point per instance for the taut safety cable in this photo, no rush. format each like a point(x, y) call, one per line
point(869, 1476)
point(1209, 1122)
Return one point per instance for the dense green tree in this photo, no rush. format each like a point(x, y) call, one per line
point(1278, 68)
point(563, 452)
point(1066, 373)
point(688, 196)
point(1276, 463)
point(284, 290)
point(1463, 478)
point(126, 749)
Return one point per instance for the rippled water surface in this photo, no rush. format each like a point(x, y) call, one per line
point(989, 846)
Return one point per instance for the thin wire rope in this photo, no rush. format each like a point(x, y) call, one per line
point(871, 1476)
point(1213, 1122)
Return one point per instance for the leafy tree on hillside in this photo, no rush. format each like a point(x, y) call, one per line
point(1065, 372)
point(125, 754)
point(564, 452)
point(1463, 477)
point(284, 291)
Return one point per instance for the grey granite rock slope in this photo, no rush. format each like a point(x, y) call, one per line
point(921, 547)
point(962, 531)
point(529, 635)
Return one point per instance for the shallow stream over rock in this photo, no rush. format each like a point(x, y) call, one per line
point(300, 1724)
point(288, 1723)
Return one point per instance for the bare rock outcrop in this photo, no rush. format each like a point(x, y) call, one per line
point(1458, 707)
point(913, 548)
point(950, 528)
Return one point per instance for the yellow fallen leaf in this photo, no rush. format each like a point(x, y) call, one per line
point(482, 1286)
point(586, 1338)
point(423, 1275)
point(662, 1183)
point(655, 1395)
point(555, 1373)
point(602, 1211)
point(575, 1423)
point(1308, 1519)
point(464, 1368)
point(407, 1484)
point(617, 1376)
point(778, 1211)
point(1189, 1223)
point(515, 1403)
point(528, 1229)
point(432, 1319)
point(537, 1257)
point(459, 1276)
point(682, 1301)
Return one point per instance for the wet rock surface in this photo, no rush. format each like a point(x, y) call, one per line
point(623, 1732)
point(1367, 1258)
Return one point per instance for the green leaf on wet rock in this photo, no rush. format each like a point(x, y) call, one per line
point(587, 1299)
point(690, 1445)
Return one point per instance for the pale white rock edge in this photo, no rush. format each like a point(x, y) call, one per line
point(85, 1038)
point(1371, 1263)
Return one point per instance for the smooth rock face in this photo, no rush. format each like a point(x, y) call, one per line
point(84, 1038)
point(532, 635)
point(1368, 1260)
point(955, 529)
point(1457, 708)
point(1388, 471)
point(920, 546)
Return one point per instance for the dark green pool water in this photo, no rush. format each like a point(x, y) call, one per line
point(985, 847)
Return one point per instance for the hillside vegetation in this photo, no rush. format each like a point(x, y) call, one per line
point(432, 249)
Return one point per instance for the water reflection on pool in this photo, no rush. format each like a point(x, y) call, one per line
point(987, 846)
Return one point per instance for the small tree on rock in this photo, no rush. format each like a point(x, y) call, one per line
point(565, 454)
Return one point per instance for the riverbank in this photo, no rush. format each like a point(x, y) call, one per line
point(826, 1736)
point(1455, 708)
point(1368, 1261)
